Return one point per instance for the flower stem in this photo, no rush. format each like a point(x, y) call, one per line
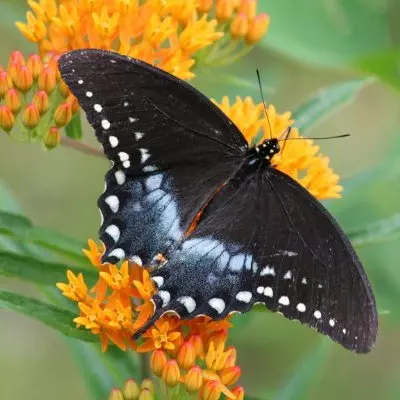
point(82, 147)
point(145, 366)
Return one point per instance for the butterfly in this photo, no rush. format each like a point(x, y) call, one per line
point(259, 236)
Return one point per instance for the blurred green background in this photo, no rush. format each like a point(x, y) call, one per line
point(311, 45)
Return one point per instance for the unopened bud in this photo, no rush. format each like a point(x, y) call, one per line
point(16, 57)
point(31, 116)
point(238, 392)
point(131, 390)
point(248, 8)
point(6, 118)
point(35, 64)
point(239, 26)
point(52, 138)
point(63, 114)
point(147, 384)
point(158, 361)
point(230, 375)
point(224, 9)
point(146, 394)
point(24, 79)
point(5, 83)
point(47, 79)
point(116, 394)
point(186, 355)
point(171, 373)
point(197, 342)
point(74, 103)
point(204, 6)
point(211, 391)
point(64, 90)
point(194, 379)
point(258, 28)
point(13, 100)
point(41, 101)
point(231, 360)
point(53, 64)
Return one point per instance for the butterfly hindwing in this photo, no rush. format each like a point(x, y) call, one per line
point(264, 239)
point(171, 149)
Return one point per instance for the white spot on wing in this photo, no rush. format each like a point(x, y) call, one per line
point(113, 203)
point(284, 300)
point(288, 275)
point(344, 330)
point(304, 281)
point(144, 154)
point(113, 141)
point(260, 289)
point(105, 123)
point(132, 119)
point(317, 314)
point(158, 280)
point(126, 164)
point(80, 81)
point(126, 104)
point(332, 322)
point(245, 297)
point(301, 307)
point(137, 260)
point(139, 135)
point(165, 297)
point(98, 108)
point(123, 156)
point(217, 304)
point(114, 232)
point(268, 271)
point(118, 253)
point(268, 292)
point(188, 302)
point(153, 182)
point(89, 94)
point(149, 168)
point(120, 177)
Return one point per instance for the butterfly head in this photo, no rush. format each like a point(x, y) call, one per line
point(267, 149)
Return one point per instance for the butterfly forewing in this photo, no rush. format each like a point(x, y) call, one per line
point(171, 149)
point(264, 239)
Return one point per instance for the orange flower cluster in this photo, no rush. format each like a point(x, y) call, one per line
point(34, 101)
point(299, 159)
point(190, 353)
point(166, 33)
point(132, 391)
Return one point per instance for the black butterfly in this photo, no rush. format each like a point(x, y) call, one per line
point(261, 237)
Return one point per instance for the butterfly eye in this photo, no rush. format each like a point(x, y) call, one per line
point(277, 148)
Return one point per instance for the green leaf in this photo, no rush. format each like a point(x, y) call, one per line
point(57, 318)
point(326, 33)
point(8, 202)
point(304, 377)
point(379, 231)
point(325, 102)
point(74, 128)
point(21, 229)
point(384, 64)
point(43, 273)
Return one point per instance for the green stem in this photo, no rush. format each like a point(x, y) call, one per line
point(82, 147)
point(145, 366)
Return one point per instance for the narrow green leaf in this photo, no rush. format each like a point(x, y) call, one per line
point(21, 229)
point(379, 231)
point(57, 318)
point(8, 202)
point(35, 271)
point(327, 101)
point(74, 128)
point(301, 381)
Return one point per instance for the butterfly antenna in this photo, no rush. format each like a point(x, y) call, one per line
point(263, 101)
point(317, 138)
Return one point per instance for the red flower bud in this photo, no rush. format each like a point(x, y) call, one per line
point(194, 379)
point(230, 375)
point(238, 391)
point(41, 101)
point(158, 361)
point(52, 138)
point(63, 114)
point(13, 100)
point(47, 79)
point(5, 83)
point(186, 355)
point(24, 79)
point(6, 118)
point(171, 373)
point(211, 391)
point(31, 116)
point(35, 64)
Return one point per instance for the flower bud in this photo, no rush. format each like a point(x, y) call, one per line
point(116, 394)
point(158, 361)
point(17, 58)
point(63, 115)
point(230, 375)
point(30, 116)
point(63, 88)
point(53, 64)
point(258, 28)
point(171, 373)
point(204, 6)
point(146, 394)
point(24, 79)
point(238, 391)
point(5, 83)
point(35, 64)
point(13, 100)
point(13, 69)
point(194, 379)
point(147, 384)
point(177, 344)
point(224, 9)
point(131, 390)
point(74, 103)
point(47, 79)
point(231, 360)
point(248, 8)
point(6, 118)
point(239, 26)
point(186, 355)
point(211, 391)
point(41, 101)
point(197, 343)
point(52, 138)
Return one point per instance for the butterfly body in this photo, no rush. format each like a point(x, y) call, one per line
point(259, 236)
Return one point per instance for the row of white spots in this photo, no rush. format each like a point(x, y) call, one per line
point(267, 270)
point(268, 292)
point(124, 157)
